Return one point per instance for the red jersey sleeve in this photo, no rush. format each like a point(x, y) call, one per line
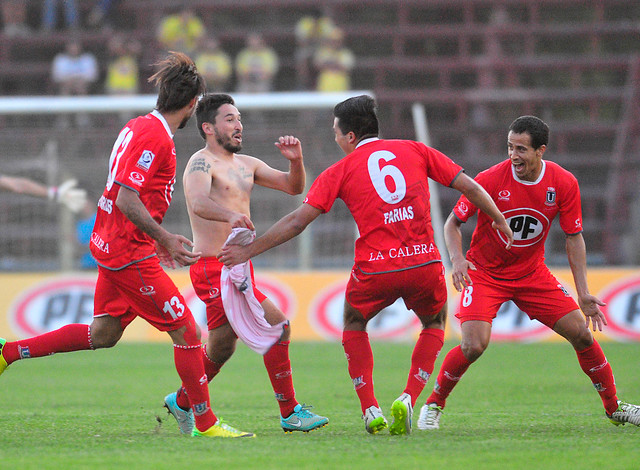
point(325, 189)
point(140, 162)
point(570, 207)
point(465, 209)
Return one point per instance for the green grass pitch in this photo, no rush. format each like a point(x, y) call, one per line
point(520, 406)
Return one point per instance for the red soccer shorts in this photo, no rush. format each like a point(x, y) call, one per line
point(423, 289)
point(141, 290)
point(205, 277)
point(540, 295)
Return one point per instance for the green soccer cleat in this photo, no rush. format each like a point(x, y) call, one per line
point(402, 412)
point(374, 420)
point(430, 417)
point(221, 429)
point(302, 420)
point(3, 361)
point(626, 413)
point(185, 419)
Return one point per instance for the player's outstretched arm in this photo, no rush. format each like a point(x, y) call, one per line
point(291, 182)
point(67, 193)
point(459, 264)
point(283, 230)
point(589, 304)
point(172, 244)
point(483, 201)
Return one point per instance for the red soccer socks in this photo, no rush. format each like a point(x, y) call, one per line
point(451, 371)
point(423, 358)
point(360, 365)
point(74, 337)
point(594, 363)
point(278, 366)
point(188, 360)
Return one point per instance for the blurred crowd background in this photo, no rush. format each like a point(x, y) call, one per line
point(475, 65)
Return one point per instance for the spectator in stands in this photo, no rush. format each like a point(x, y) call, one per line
point(14, 16)
point(50, 14)
point(214, 64)
point(181, 31)
point(67, 193)
point(310, 32)
point(333, 62)
point(73, 71)
point(256, 66)
point(122, 76)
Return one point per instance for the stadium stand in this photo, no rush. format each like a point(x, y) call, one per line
point(474, 64)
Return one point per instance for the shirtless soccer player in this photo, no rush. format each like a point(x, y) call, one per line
point(217, 183)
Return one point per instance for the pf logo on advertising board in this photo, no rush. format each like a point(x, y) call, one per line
point(326, 317)
point(52, 304)
point(623, 308)
point(278, 292)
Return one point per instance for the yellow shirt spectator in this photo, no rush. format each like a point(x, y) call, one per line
point(181, 32)
point(256, 66)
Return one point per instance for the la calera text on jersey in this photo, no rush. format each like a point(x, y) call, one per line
point(397, 215)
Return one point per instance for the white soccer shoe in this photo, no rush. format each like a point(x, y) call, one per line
point(626, 413)
point(374, 420)
point(402, 412)
point(430, 417)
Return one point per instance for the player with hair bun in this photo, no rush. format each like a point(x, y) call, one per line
point(129, 243)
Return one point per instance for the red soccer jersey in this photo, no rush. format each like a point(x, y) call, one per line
point(384, 185)
point(529, 208)
point(143, 159)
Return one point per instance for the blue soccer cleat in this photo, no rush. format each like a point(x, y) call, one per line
point(303, 420)
point(185, 419)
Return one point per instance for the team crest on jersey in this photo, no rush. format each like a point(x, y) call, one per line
point(504, 195)
point(145, 160)
point(551, 196)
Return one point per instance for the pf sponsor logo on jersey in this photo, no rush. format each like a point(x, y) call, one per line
point(52, 304)
point(529, 226)
point(326, 317)
point(136, 178)
point(463, 208)
point(145, 160)
point(623, 308)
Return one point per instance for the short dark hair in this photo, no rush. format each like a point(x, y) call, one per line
point(358, 115)
point(207, 109)
point(535, 127)
point(178, 81)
